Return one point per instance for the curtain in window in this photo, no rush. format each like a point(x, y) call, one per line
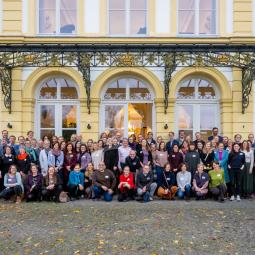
point(68, 14)
point(187, 16)
point(47, 16)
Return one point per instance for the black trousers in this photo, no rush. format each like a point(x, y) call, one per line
point(52, 194)
point(219, 191)
point(34, 195)
point(8, 192)
point(126, 193)
point(235, 175)
point(74, 191)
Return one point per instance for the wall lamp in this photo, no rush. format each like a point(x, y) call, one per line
point(9, 125)
point(166, 126)
point(88, 126)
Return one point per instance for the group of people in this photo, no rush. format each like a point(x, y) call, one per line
point(139, 168)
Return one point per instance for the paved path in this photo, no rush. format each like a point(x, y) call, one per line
point(158, 227)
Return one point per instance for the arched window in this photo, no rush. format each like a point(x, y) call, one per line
point(197, 107)
point(127, 107)
point(57, 107)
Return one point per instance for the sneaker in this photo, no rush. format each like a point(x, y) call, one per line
point(238, 198)
point(232, 198)
point(18, 200)
point(151, 198)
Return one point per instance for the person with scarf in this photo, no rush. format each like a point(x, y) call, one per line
point(43, 158)
point(56, 159)
point(84, 157)
point(76, 183)
point(13, 185)
point(207, 157)
point(221, 155)
point(97, 155)
point(144, 154)
point(7, 160)
point(167, 188)
point(34, 184)
point(23, 163)
point(70, 161)
point(52, 185)
point(111, 157)
point(88, 181)
point(31, 152)
point(175, 158)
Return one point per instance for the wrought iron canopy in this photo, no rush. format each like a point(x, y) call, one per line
point(168, 56)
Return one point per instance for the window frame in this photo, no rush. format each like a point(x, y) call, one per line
point(196, 26)
point(127, 21)
point(58, 21)
point(58, 104)
point(196, 104)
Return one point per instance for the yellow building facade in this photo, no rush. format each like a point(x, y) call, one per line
point(154, 65)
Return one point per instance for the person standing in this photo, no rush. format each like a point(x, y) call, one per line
point(192, 159)
point(175, 158)
point(43, 158)
point(97, 155)
point(236, 164)
point(247, 175)
point(111, 157)
point(171, 142)
point(123, 152)
point(84, 158)
point(207, 157)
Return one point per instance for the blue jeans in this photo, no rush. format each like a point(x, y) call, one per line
point(159, 172)
point(99, 191)
point(181, 194)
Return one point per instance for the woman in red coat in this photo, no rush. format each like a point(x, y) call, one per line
point(70, 160)
point(126, 186)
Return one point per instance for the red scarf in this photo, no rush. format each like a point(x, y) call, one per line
point(22, 156)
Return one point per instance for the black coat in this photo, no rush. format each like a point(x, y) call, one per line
point(134, 164)
point(6, 162)
point(111, 157)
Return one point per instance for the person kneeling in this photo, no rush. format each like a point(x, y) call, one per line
point(34, 184)
point(76, 183)
point(52, 185)
point(167, 188)
point(13, 185)
point(126, 186)
point(104, 182)
point(200, 182)
point(145, 185)
point(217, 184)
point(183, 181)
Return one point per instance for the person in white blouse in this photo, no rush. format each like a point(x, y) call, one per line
point(123, 152)
point(97, 155)
point(247, 178)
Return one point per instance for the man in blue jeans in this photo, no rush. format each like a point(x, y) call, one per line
point(104, 182)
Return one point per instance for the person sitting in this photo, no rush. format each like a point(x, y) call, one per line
point(52, 185)
point(167, 188)
point(183, 182)
point(200, 182)
point(76, 183)
point(104, 182)
point(88, 181)
point(145, 185)
point(217, 184)
point(34, 184)
point(13, 185)
point(126, 186)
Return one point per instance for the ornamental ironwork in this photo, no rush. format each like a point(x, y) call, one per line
point(86, 56)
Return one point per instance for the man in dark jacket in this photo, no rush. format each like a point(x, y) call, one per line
point(170, 144)
point(145, 185)
point(133, 162)
point(104, 182)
